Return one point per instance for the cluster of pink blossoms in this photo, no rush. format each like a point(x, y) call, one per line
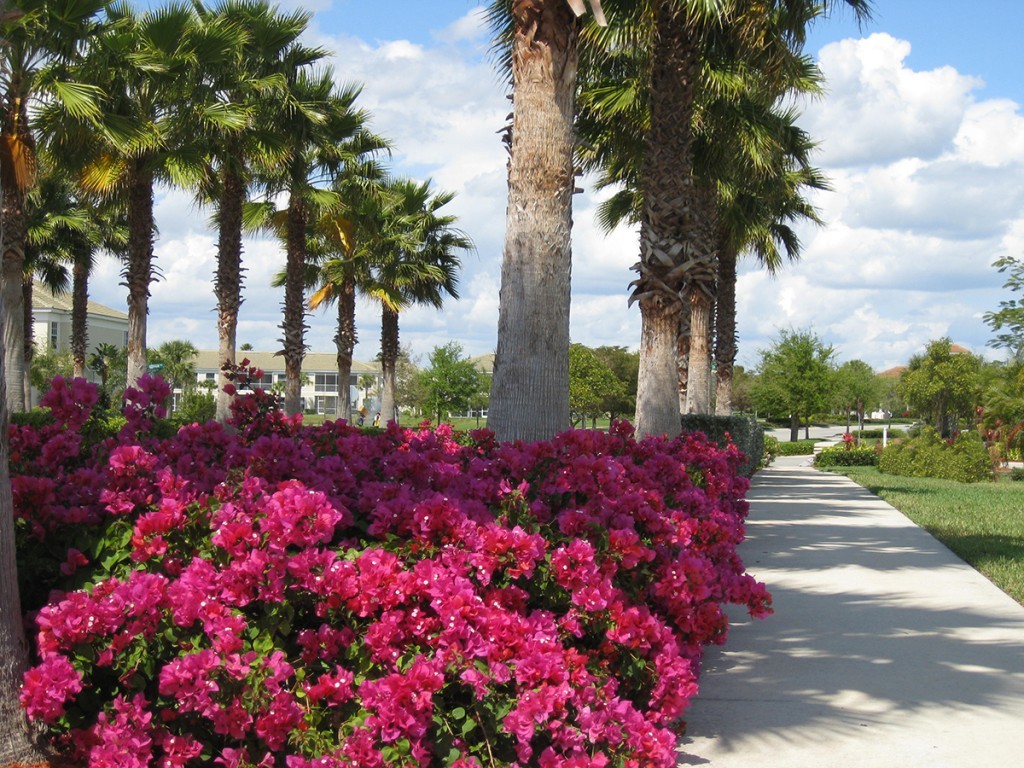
point(317, 597)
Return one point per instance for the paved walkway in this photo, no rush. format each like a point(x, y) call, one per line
point(885, 650)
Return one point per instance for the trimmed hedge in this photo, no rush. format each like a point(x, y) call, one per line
point(742, 431)
point(965, 459)
point(797, 448)
point(846, 456)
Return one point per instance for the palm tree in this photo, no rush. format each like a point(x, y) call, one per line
point(418, 264)
point(685, 47)
point(253, 81)
point(147, 65)
point(177, 361)
point(38, 43)
point(530, 388)
point(324, 133)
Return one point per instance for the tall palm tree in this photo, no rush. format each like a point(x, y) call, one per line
point(254, 81)
point(177, 359)
point(39, 42)
point(682, 44)
point(418, 263)
point(350, 239)
point(530, 387)
point(324, 134)
point(147, 66)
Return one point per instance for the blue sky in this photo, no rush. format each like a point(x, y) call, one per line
point(921, 132)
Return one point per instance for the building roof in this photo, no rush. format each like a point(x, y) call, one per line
point(484, 363)
point(893, 373)
point(209, 360)
point(43, 298)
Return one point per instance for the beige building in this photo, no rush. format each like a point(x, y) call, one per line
point(51, 323)
point(320, 379)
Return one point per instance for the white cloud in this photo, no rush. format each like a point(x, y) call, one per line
point(877, 110)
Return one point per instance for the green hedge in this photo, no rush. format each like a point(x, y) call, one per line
point(743, 431)
point(965, 459)
point(844, 456)
point(875, 433)
point(797, 448)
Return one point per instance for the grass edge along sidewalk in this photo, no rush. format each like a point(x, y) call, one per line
point(981, 523)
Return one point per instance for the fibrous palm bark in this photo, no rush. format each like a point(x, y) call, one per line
point(228, 281)
point(530, 389)
point(670, 246)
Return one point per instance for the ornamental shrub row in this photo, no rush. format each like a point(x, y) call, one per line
point(963, 459)
point(278, 595)
point(846, 456)
point(797, 447)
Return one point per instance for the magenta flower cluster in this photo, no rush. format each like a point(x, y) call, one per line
point(316, 597)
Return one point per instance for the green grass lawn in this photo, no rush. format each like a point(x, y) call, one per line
point(983, 523)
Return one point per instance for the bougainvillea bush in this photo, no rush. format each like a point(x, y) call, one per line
point(269, 594)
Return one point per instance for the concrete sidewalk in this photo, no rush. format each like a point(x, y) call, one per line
point(885, 650)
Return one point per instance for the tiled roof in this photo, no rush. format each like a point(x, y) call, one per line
point(42, 298)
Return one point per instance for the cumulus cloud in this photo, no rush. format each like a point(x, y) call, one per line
point(926, 195)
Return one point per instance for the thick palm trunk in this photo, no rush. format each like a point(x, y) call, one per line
point(659, 372)
point(669, 231)
point(702, 278)
point(79, 312)
point(16, 745)
point(725, 327)
point(530, 387)
point(698, 390)
point(389, 363)
point(345, 341)
point(139, 271)
point(294, 324)
point(228, 283)
point(13, 299)
point(27, 284)
point(683, 357)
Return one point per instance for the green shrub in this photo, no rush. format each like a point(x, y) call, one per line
point(771, 450)
point(798, 448)
point(875, 433)
point(965, 459)
point(846, 456)
point(743, 431)
point(1017, 474)
point(196, 406)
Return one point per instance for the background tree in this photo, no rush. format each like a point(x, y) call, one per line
point(1008, 321)
point(450, 381)
point(408, 384)
point(110, 363)
point(794, 378)
point(942, 386)
point(592, 384)
point(625, 365)
point(177, 361)
point(857, 389)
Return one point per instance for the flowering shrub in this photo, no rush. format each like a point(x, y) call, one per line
point(319, 597)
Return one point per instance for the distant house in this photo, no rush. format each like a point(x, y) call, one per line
point(51, 323)
point(320, 386)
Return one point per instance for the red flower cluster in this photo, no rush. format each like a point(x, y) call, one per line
point(330, 598)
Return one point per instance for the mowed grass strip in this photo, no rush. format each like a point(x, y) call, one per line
point(983, 523)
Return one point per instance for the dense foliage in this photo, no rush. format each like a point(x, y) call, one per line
point(273, 594)
point(846, 454)
point(963, 458)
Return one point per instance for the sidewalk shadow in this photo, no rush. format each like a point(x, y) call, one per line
point(874, 620)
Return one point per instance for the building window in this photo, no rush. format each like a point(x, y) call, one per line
point(126, 339)
point(326, 382)
point(264, 383)
point(328, 406)
point(54, 335)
